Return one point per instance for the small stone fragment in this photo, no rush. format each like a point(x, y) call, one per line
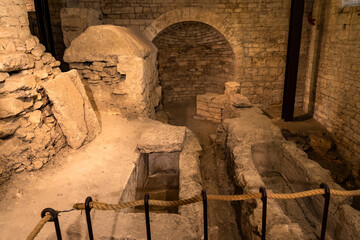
point(3, 77)
point(37, 164)
point(12, 106)
point(38, 51)
point(8, 128)
point(35, 117)
point(41, 73)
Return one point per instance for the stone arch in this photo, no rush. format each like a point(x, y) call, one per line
point(198, 15)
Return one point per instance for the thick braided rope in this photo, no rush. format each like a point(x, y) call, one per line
point(118, 206)
point(230, 198)
point(198, 198)
point(39, 226)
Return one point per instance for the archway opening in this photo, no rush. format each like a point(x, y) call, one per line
point(194, 58)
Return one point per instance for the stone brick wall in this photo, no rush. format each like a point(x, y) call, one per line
point(333, 75)
point(256, 30)
point(194, 58)
point(29, 133)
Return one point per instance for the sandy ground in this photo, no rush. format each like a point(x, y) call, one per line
point(100, 169)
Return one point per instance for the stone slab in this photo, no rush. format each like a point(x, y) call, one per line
point(68, 109)
point(91, 119)
point(163, 138)
point(114, 41)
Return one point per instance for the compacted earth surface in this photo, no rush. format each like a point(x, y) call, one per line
point(100, 169)
point(216, 176)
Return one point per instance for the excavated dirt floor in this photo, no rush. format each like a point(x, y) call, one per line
point(214, 168)
point(100, 169)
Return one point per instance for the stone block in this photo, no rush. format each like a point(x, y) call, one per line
point(72, 108)
point(18, 82)
point(239, 101)
point(11, 106)
point(3, 77)
point(232, 88)
point(163, 138)
point(8, 128)
point(15, 61)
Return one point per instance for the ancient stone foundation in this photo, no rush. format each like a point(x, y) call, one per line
point(217, 107)
point(261, 157)
point(36, 120)
point(118, 68)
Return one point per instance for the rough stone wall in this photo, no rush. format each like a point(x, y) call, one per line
point(193, 59)
point(334, 70)
point(29, 133)
point(120, 69)
point(257, 31)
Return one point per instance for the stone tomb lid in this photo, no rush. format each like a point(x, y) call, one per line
point(162, 138)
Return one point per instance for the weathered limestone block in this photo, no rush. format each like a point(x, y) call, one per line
point(239, 101)
point(3, 76)
point(232, 88)
point(163, 138)
point(8, 128)
point(91, 119)
point(15, 61)
point(114, 41)
point(69, 108)
point(130, 87)
point(11, 106)
point(74, 21)
point(19, 82)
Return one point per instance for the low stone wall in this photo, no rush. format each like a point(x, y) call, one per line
point(257, 148)
point(31, 129)
point(29, 133)
point(119, 70)
point(218, 107)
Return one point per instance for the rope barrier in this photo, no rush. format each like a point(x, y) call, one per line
point(229, 198)
point(198, 198)
point(39, 226)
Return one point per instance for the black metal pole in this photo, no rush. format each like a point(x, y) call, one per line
point(264, 200)
point(292, 59)
point(147, 216)
point(326, 209)
point(54, 215)
point(88, 218)
point(44, 25)
point(206, 235)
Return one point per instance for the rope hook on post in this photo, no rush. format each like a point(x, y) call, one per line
point(88, 218)
point(204, 197)
point(326, 209)
point(147, 216)
point(264, 200)
point(54, 215)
